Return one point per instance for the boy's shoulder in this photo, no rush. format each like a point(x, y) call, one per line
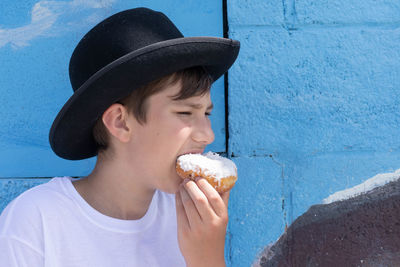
point(28, 207)
point(42, 193)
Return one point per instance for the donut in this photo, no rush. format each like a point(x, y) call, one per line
point(220, 172)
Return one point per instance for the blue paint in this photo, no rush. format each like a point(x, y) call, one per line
point(322, 106)
point(348, 11)
point(15, 13)
point(316, 91)
point(34, 73)
point(255, 13)
point(255, 209)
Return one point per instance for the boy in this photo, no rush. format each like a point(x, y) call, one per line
point(141, 99)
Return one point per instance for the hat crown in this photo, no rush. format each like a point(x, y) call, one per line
point(115, 37)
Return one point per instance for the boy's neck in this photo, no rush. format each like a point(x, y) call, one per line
point(113, 191)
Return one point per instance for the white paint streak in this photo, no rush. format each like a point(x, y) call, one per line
point(376, 181)
point(44, 16)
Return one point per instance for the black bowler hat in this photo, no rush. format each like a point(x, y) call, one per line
point(121, 53)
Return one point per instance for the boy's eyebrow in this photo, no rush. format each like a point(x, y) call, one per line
point(195, 105)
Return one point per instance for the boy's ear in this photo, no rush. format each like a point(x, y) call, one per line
point(115, 120)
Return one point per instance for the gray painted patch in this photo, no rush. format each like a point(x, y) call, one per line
point(360, 231)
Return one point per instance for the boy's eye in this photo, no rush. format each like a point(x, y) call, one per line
point(188, 113)
point(184, 113)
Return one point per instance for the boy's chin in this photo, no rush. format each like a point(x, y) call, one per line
point(173, 185)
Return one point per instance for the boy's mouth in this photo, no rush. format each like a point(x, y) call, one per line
point(191, 152)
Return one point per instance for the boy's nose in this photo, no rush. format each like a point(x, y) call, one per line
point(203, 132)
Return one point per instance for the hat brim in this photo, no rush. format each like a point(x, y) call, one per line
point(71, 133)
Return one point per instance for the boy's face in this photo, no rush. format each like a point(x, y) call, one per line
point(172, 128)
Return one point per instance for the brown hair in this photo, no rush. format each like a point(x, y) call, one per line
point(195, 82)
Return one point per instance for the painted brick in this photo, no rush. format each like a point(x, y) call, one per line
point(347, 11)
point(10, 188)
point(315, 91)
point(247, 12)
point(256, 216)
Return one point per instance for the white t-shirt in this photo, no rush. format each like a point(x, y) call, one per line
point(52, 225)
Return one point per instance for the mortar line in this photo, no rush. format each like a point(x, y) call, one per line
point(289, 14)
point(294, 13)
point(284, 9)
point(285, 207)
point(319, 26)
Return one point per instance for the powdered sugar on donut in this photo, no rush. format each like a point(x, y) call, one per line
point(209, 164)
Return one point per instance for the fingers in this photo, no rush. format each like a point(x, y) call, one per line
point(191, 211)
point(218, 202)
point(206, 199)
point(200, 200)
point(202, 241)
point(182, 219)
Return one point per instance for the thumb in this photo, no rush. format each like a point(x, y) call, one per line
point(225, 197)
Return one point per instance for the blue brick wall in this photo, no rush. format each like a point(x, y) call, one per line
point(313, 108)
point(313, 104)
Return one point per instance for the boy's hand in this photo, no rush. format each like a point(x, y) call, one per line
point(202, 216)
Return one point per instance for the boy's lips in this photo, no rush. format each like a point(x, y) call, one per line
point(192, 152)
